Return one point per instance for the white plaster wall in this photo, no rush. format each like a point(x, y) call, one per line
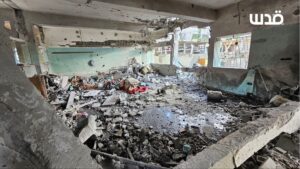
point(63, 36)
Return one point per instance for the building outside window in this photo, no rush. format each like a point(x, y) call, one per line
point(232, 51)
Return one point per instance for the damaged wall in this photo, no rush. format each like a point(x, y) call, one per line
point(31, 136)
point(269, 45)
point(63, 36)
point(27, 19)
point(105, 52)
point(75, 60)
point(87, 44)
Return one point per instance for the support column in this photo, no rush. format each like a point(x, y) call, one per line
point(175, 46)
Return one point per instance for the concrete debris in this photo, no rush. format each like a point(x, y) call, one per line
point(91, 93)
point(145, 70)
point(111, 100)
point(214, 95)
point(90, 130)
point(94, 105)
point(280, 150)
point(71, 99)
point(243, 104)
point(278, 100)
point(270, 164)
point(85, 104)
point(289, 143)
point(64, 82)
point(292, 93)
point(116, 113)
point(273, 157)
point(165, 70)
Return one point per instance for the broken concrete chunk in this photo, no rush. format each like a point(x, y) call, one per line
point(146, 142)
point(132, 113)
point(99, 159)
point(117, 113)
point(124, 115)
point(130, 83)
point(94, 105)
point(178, 111)
point(280, 150)
point(140, 112)
point(118, 133)
point(165, 70)
point(90, 129)
point(85, 104)
point(108, 119)
point(214, 95)
point(64, 82)
point(278, 100)
point(125, 120)
point(107, 113)
point(91, 93)
point(178, 156)
point(111, 100)
point(57, 102)
point(100, 145)
point(123, 97)
point(243, 104)
point(145, 69)
point(136, 125)
point(117, 119)
point(71, 99)
point(139, 102)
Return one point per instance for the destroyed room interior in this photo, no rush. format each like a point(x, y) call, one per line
point(149, 84)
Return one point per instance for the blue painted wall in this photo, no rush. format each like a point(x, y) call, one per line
point(74, 60)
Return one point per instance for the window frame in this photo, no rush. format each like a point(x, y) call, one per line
point(237, 36)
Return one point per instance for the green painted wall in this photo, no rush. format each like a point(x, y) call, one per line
point(74, 60)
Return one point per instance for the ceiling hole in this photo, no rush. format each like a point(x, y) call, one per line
point(116, 34)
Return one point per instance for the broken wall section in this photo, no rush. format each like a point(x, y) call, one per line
point(37, 56)
point(275, 50)
point(86, 51)
point(30, 133)
point(89, 61)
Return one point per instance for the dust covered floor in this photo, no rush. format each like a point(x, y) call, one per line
point(167, 123)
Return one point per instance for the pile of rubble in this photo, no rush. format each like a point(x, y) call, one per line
point(104, 111)
point(281, 153)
